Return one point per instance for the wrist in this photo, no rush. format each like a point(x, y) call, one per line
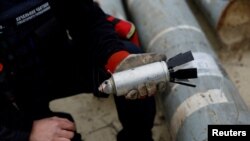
point(115, 59)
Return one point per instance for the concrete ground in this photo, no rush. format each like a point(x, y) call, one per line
point(96, 118)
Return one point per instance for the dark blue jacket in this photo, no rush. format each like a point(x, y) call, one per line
point(47, 26)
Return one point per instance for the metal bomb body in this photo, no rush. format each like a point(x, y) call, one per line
point(122, 82)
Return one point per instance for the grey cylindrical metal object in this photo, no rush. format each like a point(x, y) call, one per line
point(168, 26)
point(112, 7)
point(231, 18)
point(122, 82)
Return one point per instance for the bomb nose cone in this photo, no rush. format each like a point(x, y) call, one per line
point(107, 87)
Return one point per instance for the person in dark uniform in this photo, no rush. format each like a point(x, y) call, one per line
point(52, 49)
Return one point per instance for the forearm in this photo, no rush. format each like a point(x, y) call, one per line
point(104, 37)
point(87, 22)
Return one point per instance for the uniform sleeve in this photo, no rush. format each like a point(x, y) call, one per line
point(87, 22)
point(12, 135)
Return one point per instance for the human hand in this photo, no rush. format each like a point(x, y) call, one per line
point(52, 129)
point(135, 60)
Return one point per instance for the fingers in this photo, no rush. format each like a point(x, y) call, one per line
point(65, 134)
point(147, 90)
point(151, 88)
point(132, 95)
point(63, 139)
point(53, 128)
point(65, 124)
point(143, 91)
point(66, 129)
point(161, 87)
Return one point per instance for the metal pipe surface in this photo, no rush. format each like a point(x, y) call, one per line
point(231, 19)
point(168, 26)
point(112, 7)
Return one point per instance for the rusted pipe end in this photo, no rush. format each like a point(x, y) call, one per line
point(234, 25)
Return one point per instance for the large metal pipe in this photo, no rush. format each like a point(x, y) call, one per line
point(112, 7)
point(168, 26)
point(231, 19)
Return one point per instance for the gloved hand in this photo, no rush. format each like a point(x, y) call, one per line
point(135, 60)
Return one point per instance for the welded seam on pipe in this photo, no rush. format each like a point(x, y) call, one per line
point(171, 29)
point(193, 104)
